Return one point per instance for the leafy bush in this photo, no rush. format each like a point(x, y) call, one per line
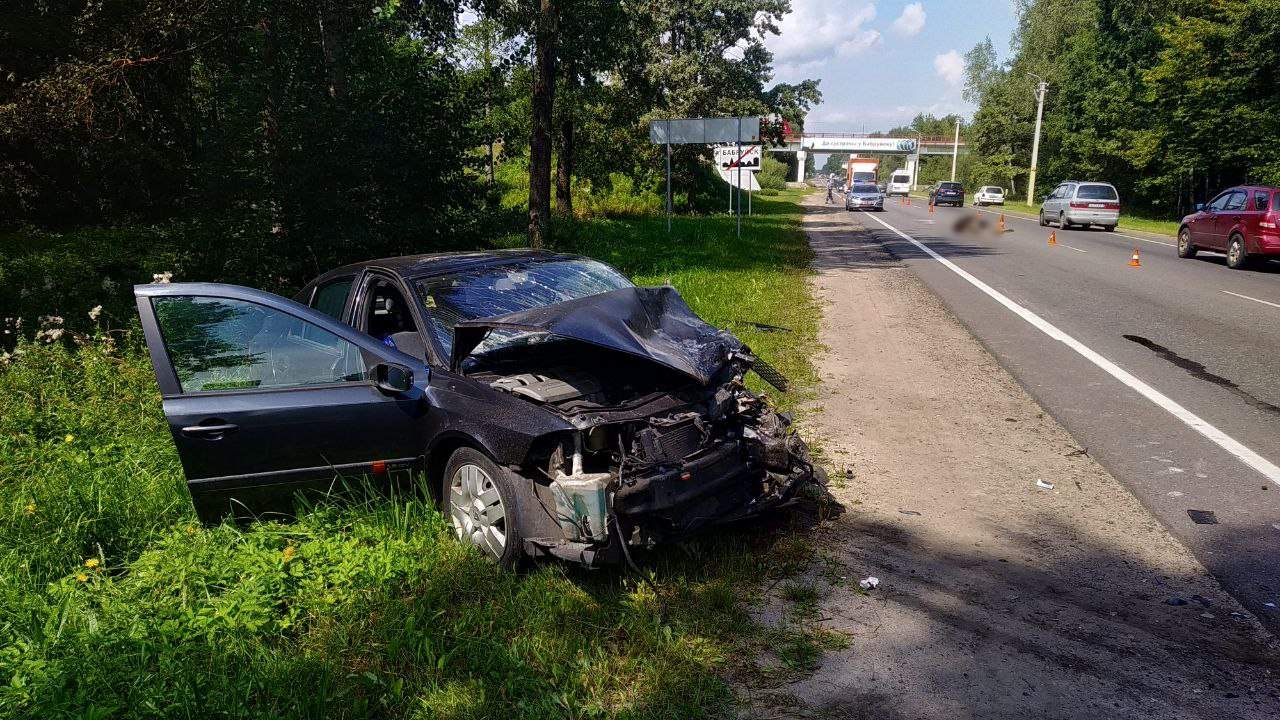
point(773, 173)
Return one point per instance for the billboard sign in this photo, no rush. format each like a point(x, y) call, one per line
point(853, 144)
point(705, 131)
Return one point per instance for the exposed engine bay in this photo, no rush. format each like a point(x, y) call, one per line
point(656, 455)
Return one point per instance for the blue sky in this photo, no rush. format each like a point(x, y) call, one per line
point(880, 63)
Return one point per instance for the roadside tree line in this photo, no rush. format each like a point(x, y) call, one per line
point(1170, 101)
point(261, 142)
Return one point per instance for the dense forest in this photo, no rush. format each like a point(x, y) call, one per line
point(262, 143)
point(1170, 100)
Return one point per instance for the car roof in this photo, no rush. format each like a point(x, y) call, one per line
point(443, 263)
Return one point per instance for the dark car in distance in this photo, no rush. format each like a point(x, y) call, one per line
point(1240, 221)
point(947, 193)
point(554, 408)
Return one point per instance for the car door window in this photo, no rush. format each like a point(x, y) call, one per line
point(385, 314)
point(331, 298)
point(1235, 201)
point(1261, 198)
point(1220, 202)
point(220, 344)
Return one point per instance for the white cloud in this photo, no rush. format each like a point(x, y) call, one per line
point(950, 67)
point(911, 21)
point(815, 30)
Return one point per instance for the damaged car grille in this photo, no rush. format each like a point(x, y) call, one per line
point(672, 443)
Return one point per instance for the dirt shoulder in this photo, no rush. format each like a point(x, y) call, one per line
point(997, 598)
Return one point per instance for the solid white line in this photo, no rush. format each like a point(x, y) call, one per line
point(1074, 248)
point(1246, 297)
point(1247, 456)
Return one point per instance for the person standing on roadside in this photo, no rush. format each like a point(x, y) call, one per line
point(831, 190)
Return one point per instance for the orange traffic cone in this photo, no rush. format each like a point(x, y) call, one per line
point(908, 201)
point(1001, 225)
point(1053, 237)
point(1134, 261)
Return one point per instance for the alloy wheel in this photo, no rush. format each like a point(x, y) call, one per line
point(1235, 253)
point(476, 510)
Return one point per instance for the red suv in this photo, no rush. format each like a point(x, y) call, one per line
point(1240, 221)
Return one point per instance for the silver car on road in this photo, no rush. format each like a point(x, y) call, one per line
point(1081, 203)
point(864, 195)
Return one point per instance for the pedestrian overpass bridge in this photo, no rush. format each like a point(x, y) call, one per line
point(834, 142)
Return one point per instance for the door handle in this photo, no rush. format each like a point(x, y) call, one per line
point(209, 432)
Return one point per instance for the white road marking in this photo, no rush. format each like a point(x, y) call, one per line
point(1131, 237)
point(1074, 248)
point(1246, 297)
point(1245, 455)
point(1135, 237)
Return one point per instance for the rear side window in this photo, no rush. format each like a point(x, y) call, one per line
point(331, 298)
point(1275, 202)
point(1097, 192)
point(1260, 199)
point(222, 344)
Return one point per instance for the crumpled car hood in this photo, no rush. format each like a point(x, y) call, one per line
point(653, 323)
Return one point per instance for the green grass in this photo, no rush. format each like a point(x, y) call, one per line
point(114, 602)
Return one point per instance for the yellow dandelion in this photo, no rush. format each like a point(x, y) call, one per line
point(92, 563)
point(30, 509)
point(69, 438)
point(289, 552)
point(191, 529)
point(82, 577)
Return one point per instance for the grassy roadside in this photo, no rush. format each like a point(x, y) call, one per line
point(1127, 222)
point(114, 602)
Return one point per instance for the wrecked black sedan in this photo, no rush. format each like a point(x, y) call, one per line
point(555, 408)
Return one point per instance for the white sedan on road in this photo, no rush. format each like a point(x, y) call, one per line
point(989, 195)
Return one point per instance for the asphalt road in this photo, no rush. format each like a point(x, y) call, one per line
point(1132, 361)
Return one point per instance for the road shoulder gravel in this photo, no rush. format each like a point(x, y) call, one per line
point(999, 597)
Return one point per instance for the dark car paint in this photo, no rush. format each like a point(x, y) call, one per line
point(940, 195)
point(303, 437)
point(650, 323)
point(308, 437)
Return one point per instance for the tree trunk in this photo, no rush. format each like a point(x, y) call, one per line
point(544, 83)
point(564, 168)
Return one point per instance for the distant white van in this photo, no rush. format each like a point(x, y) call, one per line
point(899, 183)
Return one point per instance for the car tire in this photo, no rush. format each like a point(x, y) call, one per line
point(1186, 249)
point(1109, 228)
point(1043, 222)
point(1062, 222)
point(1237, 254)
point(474, 487)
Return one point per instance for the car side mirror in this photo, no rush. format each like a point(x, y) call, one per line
point(392, 378)
point(1197, 207)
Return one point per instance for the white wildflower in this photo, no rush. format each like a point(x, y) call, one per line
point(95, 313)
point(162, 278)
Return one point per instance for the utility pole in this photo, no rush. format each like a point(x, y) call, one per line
point(955, 150)
point(1041, 89)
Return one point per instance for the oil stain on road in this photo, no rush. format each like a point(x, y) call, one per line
point(1198, 370)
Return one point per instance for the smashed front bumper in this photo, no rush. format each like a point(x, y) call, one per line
point(732, 481)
